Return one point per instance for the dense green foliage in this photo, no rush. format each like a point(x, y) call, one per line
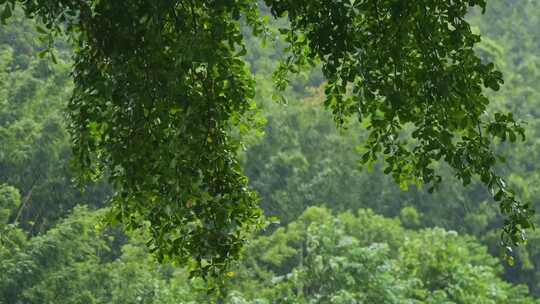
point(304, 160)
point(52, 253)
point(409, 71)
point(162, 99)
point(320, 258)
point(364, 258)
point(33, 137)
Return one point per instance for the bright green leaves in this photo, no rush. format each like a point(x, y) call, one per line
point(365, 258)
point(409, 66)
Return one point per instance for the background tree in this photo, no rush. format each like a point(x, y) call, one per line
point(319, 258)
point(35, 144)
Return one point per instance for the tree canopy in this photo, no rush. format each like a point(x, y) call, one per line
point(319, 258)
point(162, 101)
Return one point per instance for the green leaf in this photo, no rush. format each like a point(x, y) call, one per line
point(6, 14)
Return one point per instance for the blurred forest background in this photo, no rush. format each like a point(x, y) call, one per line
point(346, 234)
